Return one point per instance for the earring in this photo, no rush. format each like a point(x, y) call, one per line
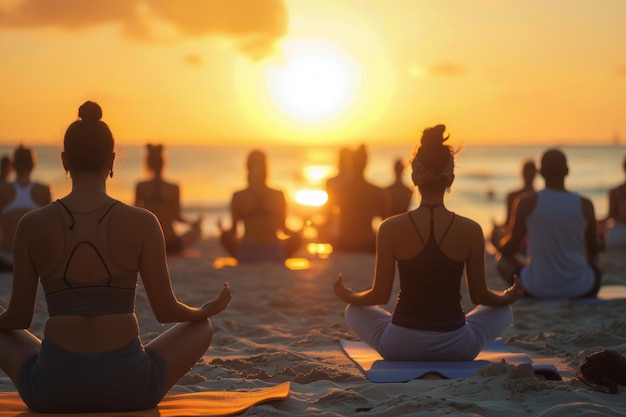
point(111, 173)
point(67, 174)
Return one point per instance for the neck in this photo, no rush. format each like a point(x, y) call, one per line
point(432, 199)
point(556, 184)
point(88, 191)
point(22, 178)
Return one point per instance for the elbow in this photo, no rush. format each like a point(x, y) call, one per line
point(379, 299)
point(480, 298)
point(19, 323)
point(166, 317)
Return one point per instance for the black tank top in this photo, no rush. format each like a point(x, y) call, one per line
point(430, 287)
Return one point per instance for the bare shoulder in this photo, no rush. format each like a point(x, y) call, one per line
point(464, 234)
point(467, 225)
point(39, 219)
point(134, 216)
point(396, 222)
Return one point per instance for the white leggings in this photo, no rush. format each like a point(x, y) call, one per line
point(373, 325)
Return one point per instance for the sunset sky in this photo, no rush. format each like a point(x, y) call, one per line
point(316, 71)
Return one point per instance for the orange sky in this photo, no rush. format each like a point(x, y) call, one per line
point(315, 71)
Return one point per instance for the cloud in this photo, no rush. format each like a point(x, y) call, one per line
point(254, 25)
point(447, 69)
point(193, 60)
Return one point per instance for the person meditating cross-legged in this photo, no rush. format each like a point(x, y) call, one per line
point(16, 199)
point(263, 211)
point(614, 226)
point(163, 199)
point(87, 250)
point(562, 240)
point(432, 247)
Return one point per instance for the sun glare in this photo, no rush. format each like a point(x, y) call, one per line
point(315, 198)
point(315, 82)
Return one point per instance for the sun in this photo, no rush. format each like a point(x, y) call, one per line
point(315, 82)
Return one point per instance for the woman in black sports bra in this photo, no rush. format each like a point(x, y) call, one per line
point(432, 248)
point(88, 249)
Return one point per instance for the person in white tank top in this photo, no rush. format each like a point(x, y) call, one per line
point(563, 243)
point(16, 199)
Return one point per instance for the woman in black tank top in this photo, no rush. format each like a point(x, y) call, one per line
point(432, 248)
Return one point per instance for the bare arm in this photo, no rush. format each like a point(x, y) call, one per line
point(380, 291)
point(19, 313)
point(591, 231)
point(283, 216)
point(478, 291)
point(155, 275)
point(512, 242)
point(613, 203)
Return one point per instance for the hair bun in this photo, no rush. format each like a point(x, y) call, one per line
point(90, 111)
point(433, 136)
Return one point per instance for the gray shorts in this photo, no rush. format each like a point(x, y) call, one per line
point(126, 379)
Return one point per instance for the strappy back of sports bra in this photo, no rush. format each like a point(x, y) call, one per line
point(112, 294)
point(431, 237)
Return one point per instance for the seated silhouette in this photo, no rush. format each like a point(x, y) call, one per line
point(163, 199)
point(262, 211)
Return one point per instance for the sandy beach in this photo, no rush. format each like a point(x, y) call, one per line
point(285, 325)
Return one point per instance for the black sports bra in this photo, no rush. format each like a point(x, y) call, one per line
point(113, 294)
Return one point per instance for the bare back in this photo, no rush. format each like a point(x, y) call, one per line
point(46, 230)
point(262, 212)
point(163, 199)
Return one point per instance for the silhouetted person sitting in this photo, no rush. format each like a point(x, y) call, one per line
point(334, 188)
point(360, 203)
point(5, 168)
point(163, 199)
point(615, 223)
point(263, 212)
point(560, 227)
point(16, 199)
point(398, 194)
point(529, 172)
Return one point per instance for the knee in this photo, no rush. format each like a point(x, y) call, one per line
point(208, 330)
point(203, 330)
point(507, 314)
point(349, 310)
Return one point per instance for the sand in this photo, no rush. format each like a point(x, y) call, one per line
point(285, 325)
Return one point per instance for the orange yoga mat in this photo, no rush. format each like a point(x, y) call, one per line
point(191, 404)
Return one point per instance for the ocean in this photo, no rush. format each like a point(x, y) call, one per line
point(208, 175)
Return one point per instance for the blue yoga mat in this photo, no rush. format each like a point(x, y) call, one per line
point(379, 370)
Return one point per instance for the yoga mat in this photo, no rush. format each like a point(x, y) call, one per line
point(612, 292)
point(607, 293)
point(379, 370)
point(192, 404)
